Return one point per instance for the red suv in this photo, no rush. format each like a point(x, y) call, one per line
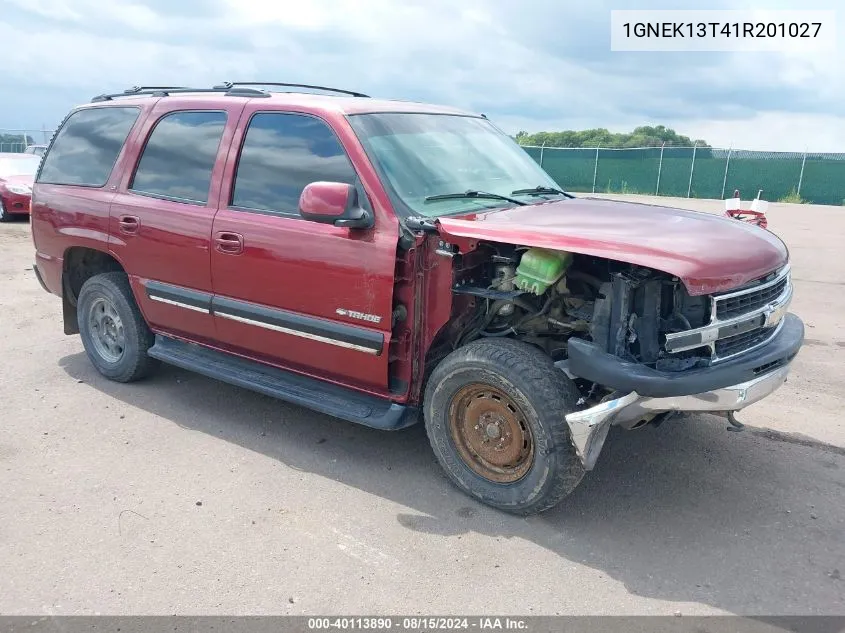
point(385, 262)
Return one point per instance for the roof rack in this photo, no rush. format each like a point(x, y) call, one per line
point(230, 84)
point(229, 88)
point(136, 89)
point(164, 91)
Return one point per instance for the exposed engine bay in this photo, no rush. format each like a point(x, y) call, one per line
point(545, 297)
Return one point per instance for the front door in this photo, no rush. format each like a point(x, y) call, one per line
point(311, 297)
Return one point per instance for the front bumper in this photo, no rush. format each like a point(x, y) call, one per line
point(722, 388)
point(16, 204)
point(589, 362)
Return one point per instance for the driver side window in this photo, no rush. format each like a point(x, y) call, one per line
point(281, 154)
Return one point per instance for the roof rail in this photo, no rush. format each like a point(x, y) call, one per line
point(230, 88)
point(230, 84)
point(164, 91)
point(136, 89)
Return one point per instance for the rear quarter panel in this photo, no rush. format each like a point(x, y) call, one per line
point(64, 216)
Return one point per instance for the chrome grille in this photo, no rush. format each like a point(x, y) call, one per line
point(737, 305)
point(741, 342)
point(739, 321)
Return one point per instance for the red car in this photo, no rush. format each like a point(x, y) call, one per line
point(388, 262)
point(17, 172)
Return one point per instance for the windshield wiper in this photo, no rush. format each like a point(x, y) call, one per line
point(481, 195)
point(539, 190)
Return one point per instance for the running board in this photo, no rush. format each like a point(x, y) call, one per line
point(314, 394)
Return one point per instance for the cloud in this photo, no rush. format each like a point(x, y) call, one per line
point(528, 65)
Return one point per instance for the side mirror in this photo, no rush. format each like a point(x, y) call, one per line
point(333, 203)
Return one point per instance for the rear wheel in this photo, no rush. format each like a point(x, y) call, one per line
point(494, 413)
point(114, 334)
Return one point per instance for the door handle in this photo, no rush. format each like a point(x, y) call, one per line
point(129, 224)
point(229, 243)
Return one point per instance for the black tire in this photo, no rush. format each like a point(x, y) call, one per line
point(5, 216)
point(541, 395)
point(132, 363)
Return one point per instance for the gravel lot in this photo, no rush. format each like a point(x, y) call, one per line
point(184, 495)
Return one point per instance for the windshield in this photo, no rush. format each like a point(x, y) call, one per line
point(423, 155)
point(21, 165)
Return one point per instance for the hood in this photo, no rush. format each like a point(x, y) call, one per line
point(709, 253)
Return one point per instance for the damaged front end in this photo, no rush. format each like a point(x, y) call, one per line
point(589, 428)
point(634, 341)
point(681, 354)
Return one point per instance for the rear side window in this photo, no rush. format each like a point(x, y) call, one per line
point(180, 155)
point(281, 154)
point(86, 148)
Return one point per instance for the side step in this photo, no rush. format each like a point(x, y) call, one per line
point(317, 395)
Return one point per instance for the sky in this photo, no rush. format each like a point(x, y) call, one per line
point(533, 65)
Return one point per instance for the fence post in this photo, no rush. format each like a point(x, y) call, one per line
point(596, 170)
point(692, 169)
point(542, 147)
point(659, 169)
point(801, 177)
point(725, 179)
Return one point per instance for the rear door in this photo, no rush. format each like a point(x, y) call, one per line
point(161, 217)
point(311, 297)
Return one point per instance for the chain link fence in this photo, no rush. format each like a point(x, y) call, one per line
point(692, 172)
point(16, 141)
point(697, 172)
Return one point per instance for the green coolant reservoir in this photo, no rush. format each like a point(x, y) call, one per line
point(540, 268)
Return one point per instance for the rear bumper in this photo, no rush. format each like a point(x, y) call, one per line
point(721, 388)
point(40, 278)
point(48, 272)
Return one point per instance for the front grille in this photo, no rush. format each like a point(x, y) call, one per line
point(752, 300)
point(741, 342)
point(753, 312)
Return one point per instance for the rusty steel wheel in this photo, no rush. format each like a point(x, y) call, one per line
point(494, 414)
point(491, 433)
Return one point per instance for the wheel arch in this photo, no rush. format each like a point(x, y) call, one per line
point(79, 264)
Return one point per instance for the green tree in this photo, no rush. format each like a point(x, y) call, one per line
point(643, 136)
point(15, 142)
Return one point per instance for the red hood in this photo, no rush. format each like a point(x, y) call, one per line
point(709, 253)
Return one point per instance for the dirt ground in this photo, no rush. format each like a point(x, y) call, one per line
point(184, 495)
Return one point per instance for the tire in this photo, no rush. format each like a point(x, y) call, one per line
point(466, 423)
point(5, 216)
point(114, 334)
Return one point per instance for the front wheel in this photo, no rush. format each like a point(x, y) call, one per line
point(494, 414)
point(5, 216)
